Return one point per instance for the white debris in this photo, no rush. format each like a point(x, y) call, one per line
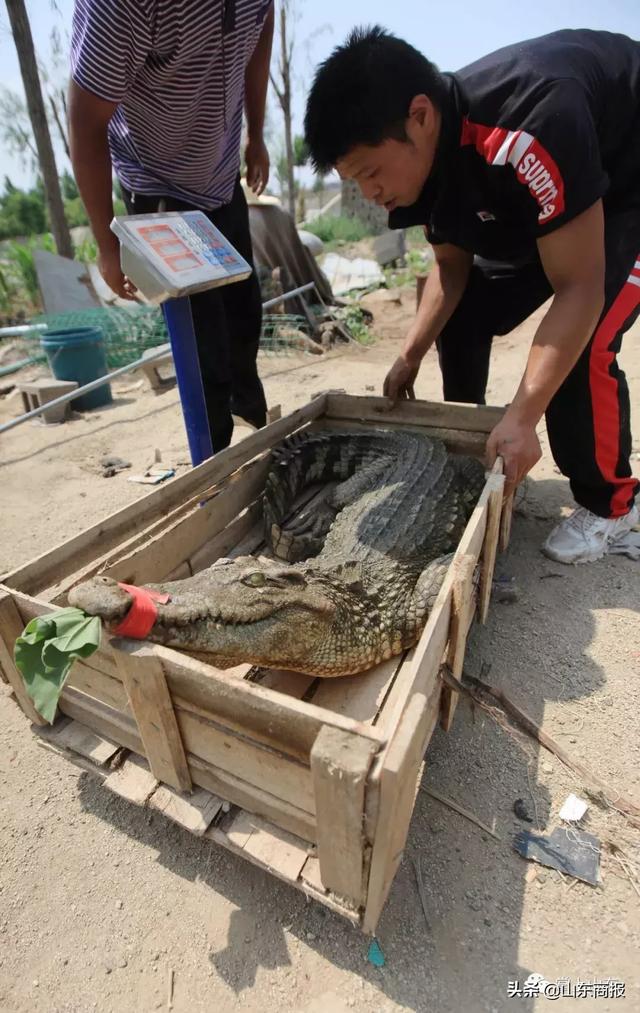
point(573, 809)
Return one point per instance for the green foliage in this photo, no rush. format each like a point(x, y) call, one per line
point(22, 212)
point(19, 257)
point(86, 251)
point(74, 212)
point(355, 320)
point(68, 186)
point(46, 650)
point(337, 228)
point(416, 262)
point(300, 150)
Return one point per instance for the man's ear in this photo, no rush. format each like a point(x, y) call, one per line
point(421, 110)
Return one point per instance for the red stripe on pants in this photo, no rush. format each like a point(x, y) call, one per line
point(604, 397)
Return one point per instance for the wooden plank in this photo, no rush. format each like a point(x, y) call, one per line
point(273, 848)
point(339, 764)
point(70, 555)
point(11, 626)
point(194, 812)
point(220, 836)
point(253, 799)
point(101, 718)
point(256, 711)
point(457, 441)
point(462, 603)
point(505, 523)
point(133, 781)
point(358, 696)
point(98, 684)
point(256, 764)
point(122, 729)
point(290, 683)
point(224, 543)
point(311, 874)
point(490, 544)
point(146, 686)
point(398, 783)
point(68, 734)
point(445, 415)
point(177, 542)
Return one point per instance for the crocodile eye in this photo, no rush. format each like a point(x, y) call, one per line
point(255, 579)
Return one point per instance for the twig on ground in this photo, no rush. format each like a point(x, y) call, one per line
point(474, 688)
point(460, 810)
point(423, 897)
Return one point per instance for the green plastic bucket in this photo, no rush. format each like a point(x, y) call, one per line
point(78, 353)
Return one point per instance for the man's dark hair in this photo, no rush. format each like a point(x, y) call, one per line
point(361, 94)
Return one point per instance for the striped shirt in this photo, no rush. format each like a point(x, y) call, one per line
point(176, 69)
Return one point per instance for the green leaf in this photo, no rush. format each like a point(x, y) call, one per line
point(46, 650)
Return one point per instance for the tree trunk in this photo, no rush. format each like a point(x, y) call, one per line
point(29, 70)
point(285, 70)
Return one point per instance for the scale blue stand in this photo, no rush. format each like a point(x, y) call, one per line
point(179, 321)
point(170, 256)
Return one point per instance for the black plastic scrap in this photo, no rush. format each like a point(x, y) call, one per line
point(574, 852)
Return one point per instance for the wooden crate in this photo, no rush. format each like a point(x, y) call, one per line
point(318, 777)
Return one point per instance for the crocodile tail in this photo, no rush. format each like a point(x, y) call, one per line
point(303, 460)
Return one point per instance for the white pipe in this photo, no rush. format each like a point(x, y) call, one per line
point(14, 332)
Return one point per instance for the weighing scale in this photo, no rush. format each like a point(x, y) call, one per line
point(169, 256)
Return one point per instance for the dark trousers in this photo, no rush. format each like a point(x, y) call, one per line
point(588, 420)
point(227, 323)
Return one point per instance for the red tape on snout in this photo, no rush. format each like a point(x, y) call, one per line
point(143, 613)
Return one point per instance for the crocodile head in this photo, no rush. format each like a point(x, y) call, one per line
point(243, 610)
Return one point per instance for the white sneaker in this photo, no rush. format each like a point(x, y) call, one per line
point(584, 537)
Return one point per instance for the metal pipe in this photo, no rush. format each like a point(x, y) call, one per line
point(64, 398)
point(177, 315)
point(288, 295)
point(201, 439)
point(18, 329)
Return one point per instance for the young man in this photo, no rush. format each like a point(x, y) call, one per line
point(529, 162)
point(157, 93)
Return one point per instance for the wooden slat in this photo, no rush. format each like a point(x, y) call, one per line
point(340, 763)
point(133, 781)
point(256, 764)
point(122, 729)
point(398, 781)
point(70, 555)
point(505, 523)
point(179, 541)
point(457, 441)
point(462, 603)
point(146, 686)
point(11, 626)
point(225, 542)
point(258, 712)
point(446, 415)
point(358, 696)
point(253, 799)
point(490, 545)
point(194, 812)
point(101, 718)
point(98, 684)
point(276, 850)
point(68, 734)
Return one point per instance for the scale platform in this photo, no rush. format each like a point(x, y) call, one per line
point(176, 253)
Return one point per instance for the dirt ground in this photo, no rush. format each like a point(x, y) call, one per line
point(100, 900)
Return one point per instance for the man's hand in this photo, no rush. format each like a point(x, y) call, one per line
point(518, 445)
point(256, 158)
point(109, 264)
point(399, 381)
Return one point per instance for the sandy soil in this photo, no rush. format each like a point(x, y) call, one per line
point(100, 900)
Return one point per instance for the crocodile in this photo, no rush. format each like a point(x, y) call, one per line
point(352, 579)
